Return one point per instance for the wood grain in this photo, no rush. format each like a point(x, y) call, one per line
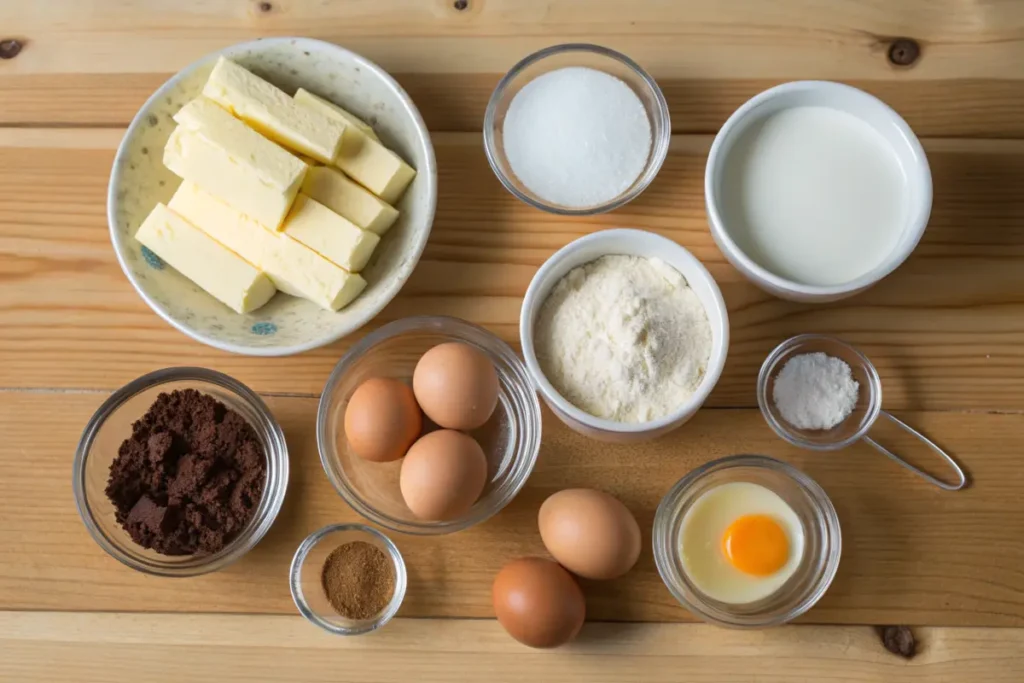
point(687, 38)
point(980, 108)
point(135, 648)
point(911, 553)
point(946, 330)
point(100, 62)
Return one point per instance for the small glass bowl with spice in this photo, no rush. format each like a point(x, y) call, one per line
point(820, 393)
point(348, 579)
point(219, 455)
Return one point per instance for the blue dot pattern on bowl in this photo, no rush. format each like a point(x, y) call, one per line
point(264, 329)
point(152, 259)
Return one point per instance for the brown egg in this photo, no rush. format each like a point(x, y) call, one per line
point(590, 533)
point(382, 419)
point(442, 475)
point(538, 602)
point(456, 385)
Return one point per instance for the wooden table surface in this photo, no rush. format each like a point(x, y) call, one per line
point(946, 332)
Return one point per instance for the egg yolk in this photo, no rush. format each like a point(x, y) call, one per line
point(756, 544)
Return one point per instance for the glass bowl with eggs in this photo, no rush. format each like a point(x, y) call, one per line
point(747, 541)
point(429, 425)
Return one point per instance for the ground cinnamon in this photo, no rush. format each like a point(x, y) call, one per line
point(358, 579)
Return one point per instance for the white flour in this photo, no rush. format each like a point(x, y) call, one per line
point(815, 391)
point(624, 338)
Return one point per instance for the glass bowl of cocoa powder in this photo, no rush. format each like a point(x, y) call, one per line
point(348, 579)
point(180, 472)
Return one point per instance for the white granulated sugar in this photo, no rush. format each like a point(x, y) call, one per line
point(815, 391)
point(624, 338)
point(577, 137)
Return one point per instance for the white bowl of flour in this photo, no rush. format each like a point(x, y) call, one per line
point(625, 334)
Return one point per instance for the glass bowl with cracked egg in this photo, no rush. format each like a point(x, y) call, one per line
point(510, 439)
point(635, 243)
point(747, 541)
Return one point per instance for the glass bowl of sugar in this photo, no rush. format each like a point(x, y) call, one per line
point(818, 392)
point(577, 130)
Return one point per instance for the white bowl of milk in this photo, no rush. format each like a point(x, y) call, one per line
point(815, 190)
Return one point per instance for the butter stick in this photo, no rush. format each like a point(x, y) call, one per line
point(331, 188)
point(366, 160)
point(271, 112)
point(306, 98)
point(294, 268)
point(330, 235)
point(204, 260)
point(202, 159)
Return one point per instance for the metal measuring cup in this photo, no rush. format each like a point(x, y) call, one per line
point(855, 427)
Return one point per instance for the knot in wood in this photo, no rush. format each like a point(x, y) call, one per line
point(10, 48)
point(904, 51)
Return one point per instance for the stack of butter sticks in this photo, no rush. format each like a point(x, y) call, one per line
point(278, 193)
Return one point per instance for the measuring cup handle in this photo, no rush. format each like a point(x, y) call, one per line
point(961, 477)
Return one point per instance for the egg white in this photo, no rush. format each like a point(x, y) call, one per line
point(703, 527)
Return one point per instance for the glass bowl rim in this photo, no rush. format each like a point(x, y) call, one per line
point(663, 545)
point(396, 328)
point(299, 598)
point(659, 145)
point(790, 435)
point(263, 517)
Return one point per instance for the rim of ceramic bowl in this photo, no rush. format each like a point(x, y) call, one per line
point(790, 435)
point(531, 308)
point(529, 433)
point(664, 545)
point(659, 145)
point(915, 224)
point(395, 284)
point(263, 518)
point(369, 625)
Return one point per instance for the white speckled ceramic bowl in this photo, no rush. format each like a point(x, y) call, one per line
point(286, 325)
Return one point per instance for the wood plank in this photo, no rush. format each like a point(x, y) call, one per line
point(100, 62)
point(986, 108)
point(946, 330)
point(109, 648)
point(740, 39)
point(911, 553)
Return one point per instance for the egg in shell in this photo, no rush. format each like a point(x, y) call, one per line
point(456, 385)
point(382, 419)
point(538, 602)
point(591, 533)
point(442, 475)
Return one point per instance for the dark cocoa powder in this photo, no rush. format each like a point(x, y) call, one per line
point(190, 476)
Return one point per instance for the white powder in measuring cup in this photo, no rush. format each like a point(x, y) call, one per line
point(815, 391)
point(624, 338)
point(577, 137)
